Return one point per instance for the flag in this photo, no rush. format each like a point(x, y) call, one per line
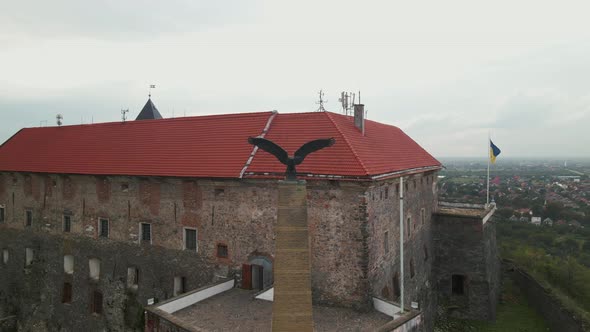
point(494, 152)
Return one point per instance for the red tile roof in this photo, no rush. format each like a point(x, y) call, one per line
point(213, 147)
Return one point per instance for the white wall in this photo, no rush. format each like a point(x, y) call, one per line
point(385, 307)
point(192, 298)
point(269, 295)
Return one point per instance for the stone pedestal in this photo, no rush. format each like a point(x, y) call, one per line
point(291, 309)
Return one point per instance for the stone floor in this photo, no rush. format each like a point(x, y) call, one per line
point(237, 310)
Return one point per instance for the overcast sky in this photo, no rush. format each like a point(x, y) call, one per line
point(446, 72)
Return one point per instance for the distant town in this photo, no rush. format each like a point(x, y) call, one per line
point(541, 192)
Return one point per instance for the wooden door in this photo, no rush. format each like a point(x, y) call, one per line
point(246, 276)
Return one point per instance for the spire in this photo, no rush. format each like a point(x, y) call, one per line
point(149, 112)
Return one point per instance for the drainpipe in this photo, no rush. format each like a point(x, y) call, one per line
point(401, 240)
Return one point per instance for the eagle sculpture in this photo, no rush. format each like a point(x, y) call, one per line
point(283, 156)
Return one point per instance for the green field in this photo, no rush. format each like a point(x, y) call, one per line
point(513, 314)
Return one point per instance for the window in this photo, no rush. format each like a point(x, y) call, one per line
point(423, 215)
point(28, 256)
point(69, 264)
point(94, 268)
point(67, 223)
point(5, 256)
point(132, 277)
point(96, 302)
point(103, 227)
point(124, 187)
point(412, 272)
point(386, 242)
point(425, 253)
point(1, 213)
point(219, 192)
point(396, 287)
point(29, 218)
point(190, 239)
point(458, 284)
point(146, 232)
point(386, 192)
point(67, 293)
point(179, 285)
point(222, 250)
point(397, 189)
point(409, 225)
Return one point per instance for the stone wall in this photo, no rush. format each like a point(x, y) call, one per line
point(465, 246)
point(555, 314)
point(420, 201)
point(35, 293)
point(240, 214)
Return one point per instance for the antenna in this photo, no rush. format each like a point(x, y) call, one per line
point(124, 114)
point(152, 86)
point(321, 102)
point(59, 117)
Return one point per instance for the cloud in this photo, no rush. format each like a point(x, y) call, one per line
point(116, 20)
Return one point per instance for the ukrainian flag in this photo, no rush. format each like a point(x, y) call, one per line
point(494, 152)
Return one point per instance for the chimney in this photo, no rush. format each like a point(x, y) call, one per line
point(359, 117)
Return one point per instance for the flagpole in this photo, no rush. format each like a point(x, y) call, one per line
point(488, 178)
point(401, 241)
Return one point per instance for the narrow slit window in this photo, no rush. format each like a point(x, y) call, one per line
point(5, 256)
point(179, 285)
point(412, 271)
point(29, 218)
point(67, 293)
point(396, 286)
point(103, 225)
point(146, 233)
point(386, 242)
point(423, 215)
point(1, 214)
point(67, 223)
point(68, 264)
point(409, 226)
point(29, 256)
point(94, 267)
point(132, 277)
point(190, 239)
point(458, 284)
point(96, 304)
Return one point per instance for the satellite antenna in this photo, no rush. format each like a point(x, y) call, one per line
point(321, 102)
point(59, 117)
point(124, 114)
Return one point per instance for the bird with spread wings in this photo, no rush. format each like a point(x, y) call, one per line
point(283, 156)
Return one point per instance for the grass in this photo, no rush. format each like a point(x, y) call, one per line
point(513, 313)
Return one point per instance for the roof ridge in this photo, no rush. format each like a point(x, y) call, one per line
point(255, 148)
point(348, 143)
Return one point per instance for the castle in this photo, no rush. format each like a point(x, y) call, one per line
point(97, 220)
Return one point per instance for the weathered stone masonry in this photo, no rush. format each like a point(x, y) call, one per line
point(353, 227)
